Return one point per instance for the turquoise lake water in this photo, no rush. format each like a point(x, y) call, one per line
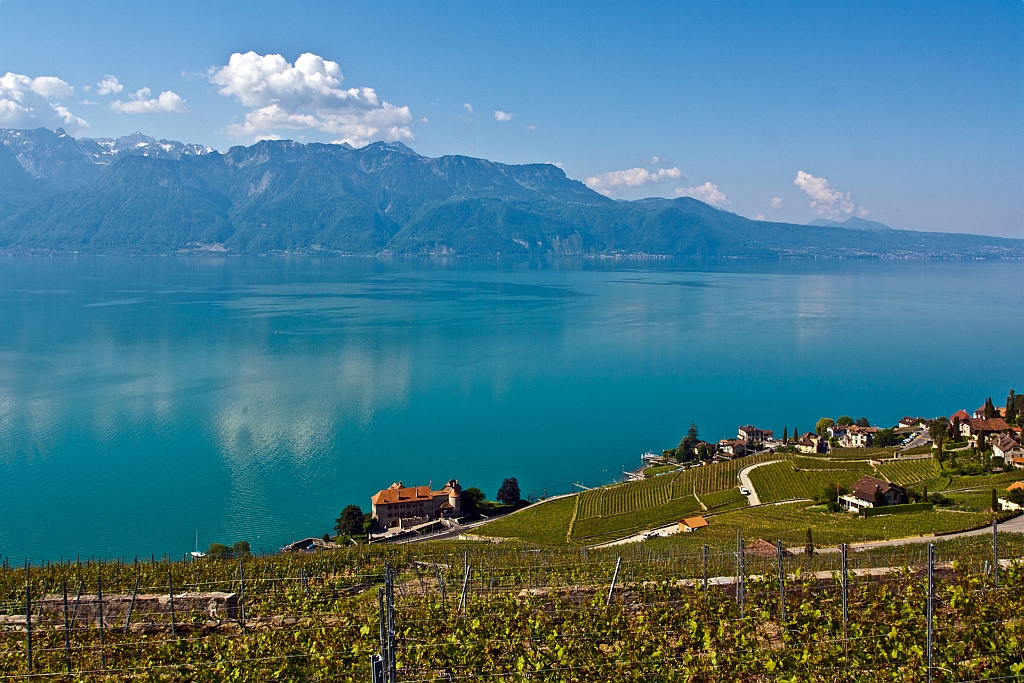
point(145, 399)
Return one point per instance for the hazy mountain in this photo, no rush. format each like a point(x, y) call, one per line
point(852, 223)
point(140, 195)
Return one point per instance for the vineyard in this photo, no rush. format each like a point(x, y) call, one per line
point(909, 472)
point(513, 612)
point(782, 481)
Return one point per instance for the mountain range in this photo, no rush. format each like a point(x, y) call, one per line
point(137, 194)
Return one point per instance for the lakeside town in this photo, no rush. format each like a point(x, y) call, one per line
point(986, 441)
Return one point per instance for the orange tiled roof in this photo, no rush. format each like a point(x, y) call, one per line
point(695, 522)
point(402, 494)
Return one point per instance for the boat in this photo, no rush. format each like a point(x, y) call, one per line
point(195, 554)
point(650, 457)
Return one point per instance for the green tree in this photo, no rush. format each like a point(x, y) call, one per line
point(471, 500)
point(924, 493)
point(1016, 496)
point(1011, 408)
point(785, 436)
point(995, 502)
point(509, 493)
point(350, 522)
point(686, 447)
point(862, 422)
point(809, 544)
point(885, 438)
point(990, 409)
point(879, 500)
point(218, 551)
point(938, 432)
point(240, 549)
point(844, 421)
point(702, 451)
point(821, 429)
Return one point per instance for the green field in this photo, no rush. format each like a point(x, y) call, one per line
point(781, 481)
point(543, 523)
point(909, 472)
point(789, 523)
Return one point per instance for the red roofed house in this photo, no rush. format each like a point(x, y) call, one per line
point(972, 426)
point(962, 414)
point(398, 503)
point(868, 492)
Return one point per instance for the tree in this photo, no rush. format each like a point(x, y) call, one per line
point(350, 522)
point(937, 430)
point(862, 422)
point(471, 499)
point(702, 451)
point(809, 544)
point(990, 409)
point(509, 492)
point(240, 549)
point(885, 438)
point(844, 421)
point(327, 538)
point(924, 493)
point(823, 424)
point(995, 502)
point(785, 436)
point(981, 441)
point(879, 500)
point(1011, 408)
point(1016, 496)
point(686, 447)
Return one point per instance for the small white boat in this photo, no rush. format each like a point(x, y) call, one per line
point(650, 457)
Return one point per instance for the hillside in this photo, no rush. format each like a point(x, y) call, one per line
point(139, 195)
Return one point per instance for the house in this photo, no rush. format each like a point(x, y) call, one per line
point(980, 412)
point(1006, 448)
point(962, 414)
point(692, 524)
point(809, 443)
point(752, 435)
point(866, 490)
point(1015, 485)
point(908, 422)
point(762, 548)
point(837, 431)
point(857, 437)
point(733, 448)
point(971, 426)
point(397, 505)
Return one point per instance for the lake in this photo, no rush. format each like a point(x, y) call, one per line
point(143, 400)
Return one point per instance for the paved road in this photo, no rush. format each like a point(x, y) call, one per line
point(752, 499)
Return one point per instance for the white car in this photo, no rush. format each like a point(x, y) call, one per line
point(648, 535)
point(744, 490)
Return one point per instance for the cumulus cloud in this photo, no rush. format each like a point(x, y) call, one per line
point(32, 103)
point(502, 115)
point(707, 193)
point(468, 107)
point(108, 86)
point(608, 183)
point(759, 217)
point(775, 202)
point(142, 102)
point(825, 200)
point(306, 95)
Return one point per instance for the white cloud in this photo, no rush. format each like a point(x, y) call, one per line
point(32, 103)
point(502, 115)
point(608, 183)
point(531, 127)
point(775, 202)
point(655, 160)
point(759, 217)
point(108, 86)
point(306, 96)
point(826, 200)
point(468, 107)
point(707, 193)
point(142, 102)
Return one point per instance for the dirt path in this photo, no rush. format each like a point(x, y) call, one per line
point(752, 499)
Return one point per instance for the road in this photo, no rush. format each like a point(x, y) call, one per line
point(752, 499)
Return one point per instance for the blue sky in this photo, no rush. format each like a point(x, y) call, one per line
point(908, 113)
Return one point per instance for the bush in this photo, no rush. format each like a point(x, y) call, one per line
point(896, 509)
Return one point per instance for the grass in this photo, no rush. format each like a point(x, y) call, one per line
point(598, 529)
point(660, 469)
point(781, 481)
point(790, 523)
point(541, 523)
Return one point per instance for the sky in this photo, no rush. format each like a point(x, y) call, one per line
point(909, 113)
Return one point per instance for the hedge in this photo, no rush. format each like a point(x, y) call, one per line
point(896, 509)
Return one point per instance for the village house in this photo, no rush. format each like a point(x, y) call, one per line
point(754, 436)
point(857, 437)
point(972, 426)
point(400, 505)
point(809, 443)
point(837, 431)
point(1006, 448)
point(731, 448)
point(980, 412)
point(908, 422)
point(867, 490)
